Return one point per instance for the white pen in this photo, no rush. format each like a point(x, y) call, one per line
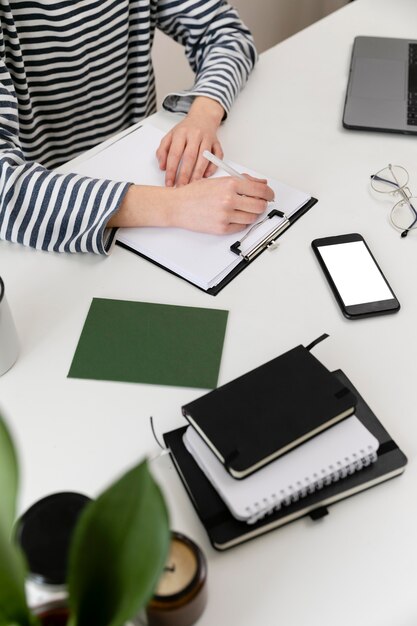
point(221, 164)
point(225, 167)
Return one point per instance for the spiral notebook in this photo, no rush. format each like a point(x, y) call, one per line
point(332, 455)
point(225, 531)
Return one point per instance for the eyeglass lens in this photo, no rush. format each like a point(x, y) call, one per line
point(390, 179)
point(404, 214)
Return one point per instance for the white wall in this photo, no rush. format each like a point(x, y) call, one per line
point(270, 21)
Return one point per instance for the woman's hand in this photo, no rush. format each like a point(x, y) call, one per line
point(180, 152)
point(221, 205)
point(216, 205)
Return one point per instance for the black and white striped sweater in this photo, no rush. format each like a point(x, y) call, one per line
point(74, 72)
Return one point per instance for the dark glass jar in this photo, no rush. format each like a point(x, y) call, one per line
point(44, 533)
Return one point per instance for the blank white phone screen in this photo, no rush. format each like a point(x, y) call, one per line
point(357, 278)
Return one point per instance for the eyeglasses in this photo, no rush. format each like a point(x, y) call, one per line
point(393, 180)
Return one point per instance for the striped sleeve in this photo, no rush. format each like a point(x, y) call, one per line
point(43, 209)
point(219, 48)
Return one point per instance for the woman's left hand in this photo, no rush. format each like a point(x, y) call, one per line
point(180, 152)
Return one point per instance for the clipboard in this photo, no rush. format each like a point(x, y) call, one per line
point(246, 257)
point(209, 262)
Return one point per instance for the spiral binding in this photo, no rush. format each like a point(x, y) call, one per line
point(308, 485)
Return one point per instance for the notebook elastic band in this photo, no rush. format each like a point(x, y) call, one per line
point(316, 341)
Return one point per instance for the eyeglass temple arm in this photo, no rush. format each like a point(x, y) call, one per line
point(384, 180)
point(404, 234)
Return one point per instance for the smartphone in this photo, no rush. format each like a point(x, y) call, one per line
point(356, 279)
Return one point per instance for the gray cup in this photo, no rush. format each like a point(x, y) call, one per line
point(9, 344)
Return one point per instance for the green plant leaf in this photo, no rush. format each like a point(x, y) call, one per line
point(13, 607)
point(9, 478)
point(118, 551)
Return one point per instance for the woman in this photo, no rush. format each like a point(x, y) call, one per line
point(73, 73)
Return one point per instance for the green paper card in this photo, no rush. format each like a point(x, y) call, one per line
point(142, 342)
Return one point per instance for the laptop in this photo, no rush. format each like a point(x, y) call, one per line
point(382, 88)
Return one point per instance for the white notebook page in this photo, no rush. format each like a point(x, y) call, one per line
point(340, 450)
point(200, 258)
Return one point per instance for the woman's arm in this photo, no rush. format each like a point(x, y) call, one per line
point(43, 209)
point(218, 205)
point(221, 52)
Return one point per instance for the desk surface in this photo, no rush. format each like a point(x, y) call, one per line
point(358, 565)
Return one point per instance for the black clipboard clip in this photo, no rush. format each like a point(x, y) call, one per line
point(267, 241)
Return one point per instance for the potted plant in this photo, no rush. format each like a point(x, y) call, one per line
point(117, 554)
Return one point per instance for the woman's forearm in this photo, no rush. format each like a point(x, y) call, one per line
point(214, 205)
point(144, 205)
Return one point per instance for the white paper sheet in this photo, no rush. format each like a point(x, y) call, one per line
point(200, 258)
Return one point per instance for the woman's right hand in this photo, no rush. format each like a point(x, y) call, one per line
point(209, 205)
point(220, 205)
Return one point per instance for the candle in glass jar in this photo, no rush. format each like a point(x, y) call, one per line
point(181, 594)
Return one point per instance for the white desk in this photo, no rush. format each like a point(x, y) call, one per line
point(359, 564)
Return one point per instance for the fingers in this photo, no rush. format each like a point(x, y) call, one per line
point(218, 205)
point(233, 228)
point(243, 210)
point(180, 154)
point(255, 188)
point(175, 154)
point(244, 218)
point(182, 158)
point(193, 165)
point(163, 149)
point(251, 205)
point(258, 180)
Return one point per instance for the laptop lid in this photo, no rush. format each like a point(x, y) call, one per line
point(382, 88)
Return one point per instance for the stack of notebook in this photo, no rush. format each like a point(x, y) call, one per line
point(282, 441)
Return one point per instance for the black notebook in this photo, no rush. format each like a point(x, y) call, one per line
point(263, 414)
point(224, 531)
